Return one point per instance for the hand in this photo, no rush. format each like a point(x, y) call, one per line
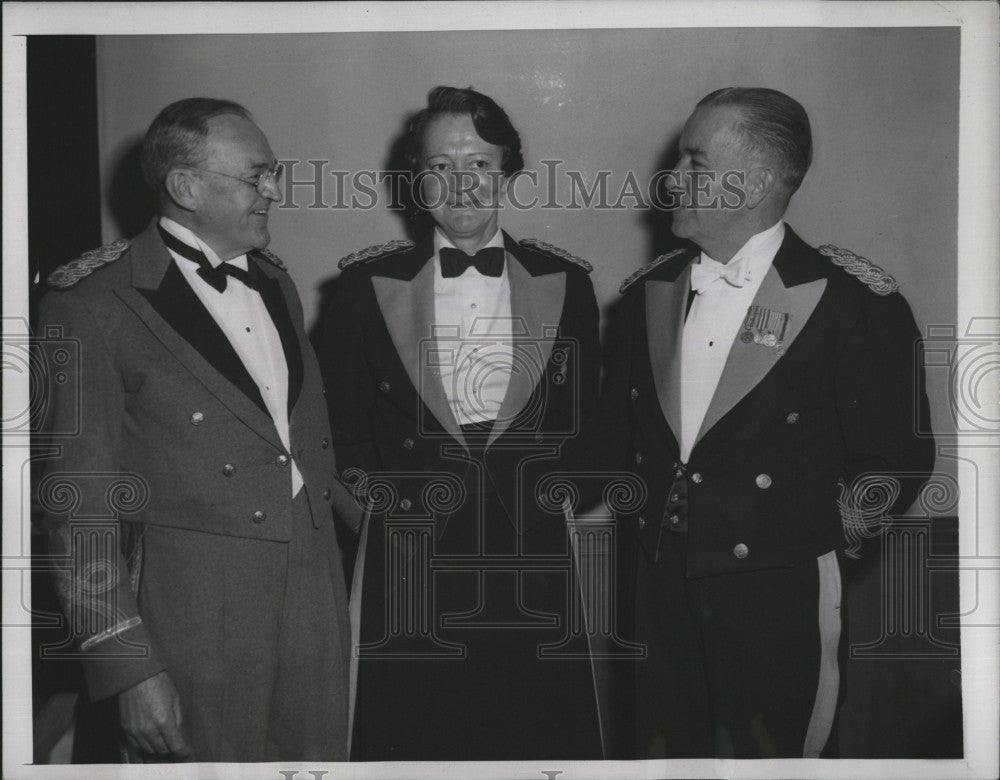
point(150, 714)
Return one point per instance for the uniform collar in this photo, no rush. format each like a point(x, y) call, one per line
point(758, 252)
point(188, 236)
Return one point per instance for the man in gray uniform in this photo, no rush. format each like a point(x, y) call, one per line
point(225, 635)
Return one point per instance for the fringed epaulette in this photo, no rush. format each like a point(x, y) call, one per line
point(272, 258)
point(555, 251)
point(876, 279)
point(630, 280)
point(363, 256)
point(72, 272)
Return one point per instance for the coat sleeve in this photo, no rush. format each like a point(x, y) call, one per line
point(347, 378)
point(605, 433)
point(880, 398)
point(81, 493)
point(589, 317)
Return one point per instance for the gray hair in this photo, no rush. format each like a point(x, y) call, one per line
point(772, 124)
point(177, 137)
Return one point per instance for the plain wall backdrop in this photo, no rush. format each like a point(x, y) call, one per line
point(883, 105)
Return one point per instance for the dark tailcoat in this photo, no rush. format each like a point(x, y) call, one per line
point(789, 424)
point(468, 678)
point(176, 447)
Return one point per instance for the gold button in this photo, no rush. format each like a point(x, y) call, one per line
point(634, 393)
point(405, 504)
point(325, 443)
point(638, 458)
point(408, 443)
point(741, 551)
point(642, 522)
point(792, 418)
point(385, 387)
point(673, 498)
point(229, 469)
point(259, 516)
point(763, 481)
point(674, 519)
point(197, 418)
point(327, 493)
point(281, 460)
point(696, 478)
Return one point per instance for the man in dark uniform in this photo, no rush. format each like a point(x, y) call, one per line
point(754, 380)
point(203, 425)
point(458, 368)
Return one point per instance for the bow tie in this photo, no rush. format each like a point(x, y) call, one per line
point(454, 262)
point(216, 277)
point(703, 275)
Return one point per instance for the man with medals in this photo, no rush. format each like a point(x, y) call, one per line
point(755, 384)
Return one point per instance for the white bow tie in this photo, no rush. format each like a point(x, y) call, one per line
point(702, 274)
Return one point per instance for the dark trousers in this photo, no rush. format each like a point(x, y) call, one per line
point(255, 636)
point(744, 665)
point(464, 662)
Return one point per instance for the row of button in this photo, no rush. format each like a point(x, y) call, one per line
point(260, 515)
point(229, 469)
point(197, 418)
point(763, 481)
point(791, 418)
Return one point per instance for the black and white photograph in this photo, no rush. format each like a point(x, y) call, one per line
point(515, 389)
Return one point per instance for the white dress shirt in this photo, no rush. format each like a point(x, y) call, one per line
point(242, 316)
point(713, 324)
point(472, 326)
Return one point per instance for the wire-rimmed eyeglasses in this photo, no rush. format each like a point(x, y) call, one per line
point(262, 182)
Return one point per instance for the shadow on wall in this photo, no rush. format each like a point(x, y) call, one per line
point(132, 204)
point(416, 222)
point(658, 222)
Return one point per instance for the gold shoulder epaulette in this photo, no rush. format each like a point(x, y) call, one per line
point(876, 279)
point(72, 272)
point(272, 258)
point(363, 256)
point(630, 280)
point(562, 254)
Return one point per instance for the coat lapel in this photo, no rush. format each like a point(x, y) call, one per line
point(407, 307)
point(159, 299)
point(536, 304)
point(666, 308)
point(748, 362)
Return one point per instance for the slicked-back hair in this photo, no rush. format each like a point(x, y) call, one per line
point(772, 124)
point(177, 137)
point(491, 123)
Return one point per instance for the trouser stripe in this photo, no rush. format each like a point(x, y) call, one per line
point(825, 706)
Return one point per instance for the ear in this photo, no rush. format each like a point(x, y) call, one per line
point(183, 189)
point(760, 182)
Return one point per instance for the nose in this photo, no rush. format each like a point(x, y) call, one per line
point(270, 189)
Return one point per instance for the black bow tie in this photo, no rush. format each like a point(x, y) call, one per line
point(214, 276)
point(454, 262)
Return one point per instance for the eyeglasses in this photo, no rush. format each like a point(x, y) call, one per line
point(262, 182)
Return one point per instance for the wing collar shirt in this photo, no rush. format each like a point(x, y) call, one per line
point(242, 316)
point(713, 322)
point(472, 326)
